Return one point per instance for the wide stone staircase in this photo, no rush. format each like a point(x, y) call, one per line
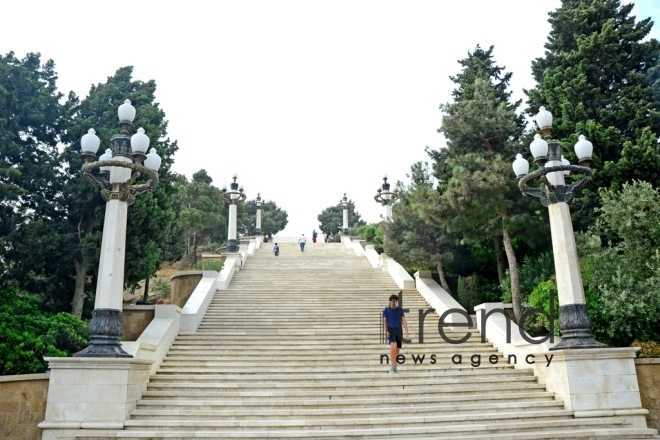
point(293, 350)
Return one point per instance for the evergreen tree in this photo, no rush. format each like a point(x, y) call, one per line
point(476, 182)
point(31, 123)
point(332, 218)
point(202, 212)
point(599, 77)
point(273, 218)
point(408, 238)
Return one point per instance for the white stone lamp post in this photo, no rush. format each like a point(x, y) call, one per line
point(234, 195)
point(258, 203)
point(120, 167)
point(574, 321)
point(386, 198)
point(344, 203)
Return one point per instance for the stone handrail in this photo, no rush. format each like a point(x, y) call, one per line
point(199, 301)
point(438, 298)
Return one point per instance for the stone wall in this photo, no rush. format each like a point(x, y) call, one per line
point(183, 285)
point(22, 406)
point(136, 319)
point(648, 377)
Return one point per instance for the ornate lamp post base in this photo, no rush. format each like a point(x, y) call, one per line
point(346, 232)
point(105, 332)
point(575, 326)
point(258, 232)
point(232, 245)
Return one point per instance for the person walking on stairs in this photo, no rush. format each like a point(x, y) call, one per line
point(276, 250)
point(314, 235)
point(393, 317)
point(301, 241)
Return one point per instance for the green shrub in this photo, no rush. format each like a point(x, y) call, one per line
point(161, 287)
point(27, 335)
point(209, 265)
point(540, 299)
point(468, 293)
point(649, 349)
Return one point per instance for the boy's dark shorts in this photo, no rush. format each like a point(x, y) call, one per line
point(395, 336)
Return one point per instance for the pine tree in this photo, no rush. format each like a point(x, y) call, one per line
point(482, 132)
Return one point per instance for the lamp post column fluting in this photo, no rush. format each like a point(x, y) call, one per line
point(344, 202)
point(386, 198)
point(234, 195)
point(574, 321)
point(117, 176)
point(258, 225)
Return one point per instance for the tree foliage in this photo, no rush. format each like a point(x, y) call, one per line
point(31, 122)
point(332, 218)
point(408, 238)
point(621, 263)
point(273, 218)
point(27, 334)
point(600, 76)
point(202, 213)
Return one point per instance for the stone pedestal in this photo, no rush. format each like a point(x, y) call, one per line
point(235, 256)
point(92, 394)
point(595, 382)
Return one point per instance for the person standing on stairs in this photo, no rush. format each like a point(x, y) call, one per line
point(314, 235)
point(393, 317)
point(301, 241)
point(276, 250)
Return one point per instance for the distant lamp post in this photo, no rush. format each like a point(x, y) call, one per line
point(234, 195)
point(119, 168)
point(574, 321)
point(258, 203)
point(344, 203)
point(386, 198)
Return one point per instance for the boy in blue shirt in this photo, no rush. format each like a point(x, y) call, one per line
point(393, 317)
point(276, 250)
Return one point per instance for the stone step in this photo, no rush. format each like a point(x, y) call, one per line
point(393, 392)
point(337, 384)
point(356, 402)
point(518, 422)
point(615, 432)
point(183, 412)
point(428, 375)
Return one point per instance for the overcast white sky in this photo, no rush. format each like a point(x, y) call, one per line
point(305, 99)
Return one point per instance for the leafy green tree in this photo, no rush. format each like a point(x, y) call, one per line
point(332, 218)
point(599, 77)
point(373, 234)
point(621, 265)
point(150, 218)
point(202, 213)
point(273, 218)
point(30, 175)
point(27, 334)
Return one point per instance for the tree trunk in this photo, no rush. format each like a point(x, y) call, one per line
point(79, 291)
point(145, 297)
point(513, 270)
point(499, 256)
point(443, 280)
point(193, 255)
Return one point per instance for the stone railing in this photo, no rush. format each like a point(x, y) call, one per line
point(648, 378)
point(183, 285)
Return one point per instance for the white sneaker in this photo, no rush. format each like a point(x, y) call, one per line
point(396, 370)
point(392, 370)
